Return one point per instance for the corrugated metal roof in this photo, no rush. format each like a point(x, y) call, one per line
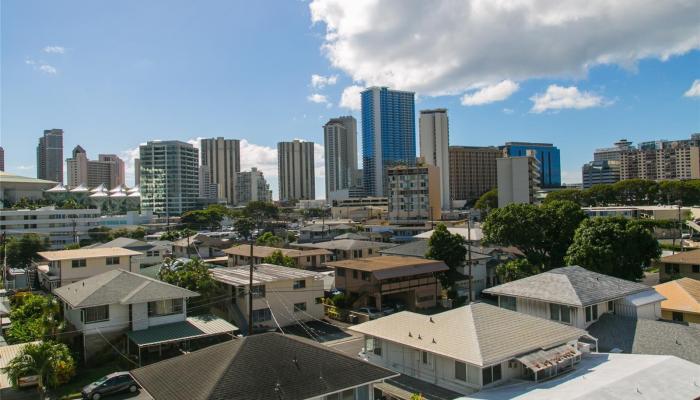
point(262, 273)
point(191, 328)
point(373, 264)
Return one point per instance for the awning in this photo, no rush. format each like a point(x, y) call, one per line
point(543, 359)
point(191, 328)
point(644, 298)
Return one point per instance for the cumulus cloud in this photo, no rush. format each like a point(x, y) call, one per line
point(694, 90)
point(48, 69)
point(559, 97)
point(490, 94)
point(317, 98)
point(128, 156)
point(350, 98)
point(320, 81)
point(54, 49)
point(264, 158)
point(196, 142)
point(452, 47)
point(319, 161)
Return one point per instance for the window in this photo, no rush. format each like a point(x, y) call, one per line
point(112, 260)
point(507, 302)
point(354, 274)
point(559, 313)
point(300, 284)
point(426, 359)
point(491, 374)
point(258, 291)
point(299, 307)
point(696, 268)
point(340, 271)
point(460, 371)
point(91, 315)
point(366, 276)
point(373, 345)
point(164, 307)
point(677, 316)
point(672, 268)
point(79, 263)
point(318, 300)
point(611, 306)
point(592, 313)
point(262, 315)
point(369, 251)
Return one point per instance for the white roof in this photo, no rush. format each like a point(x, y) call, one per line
point(476, 233)
point(643, 298)
point(605, 376)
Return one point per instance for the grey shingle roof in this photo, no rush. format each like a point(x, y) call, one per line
point(265, 366)
point(119, 287)
point(345, 244)
point(573, 285)
point(644, 336)
point(419, 247)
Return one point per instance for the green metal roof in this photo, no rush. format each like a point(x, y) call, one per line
point(191, 328)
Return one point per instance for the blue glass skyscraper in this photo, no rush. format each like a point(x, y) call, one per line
point(388, 135)
point(547, 154)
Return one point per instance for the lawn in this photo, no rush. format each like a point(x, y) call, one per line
point(84, 376)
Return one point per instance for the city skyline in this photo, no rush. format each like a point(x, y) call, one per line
point(168, 86)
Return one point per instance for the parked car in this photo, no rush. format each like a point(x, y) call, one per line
point(371, 311)
point(387, 310)
point(116, 382)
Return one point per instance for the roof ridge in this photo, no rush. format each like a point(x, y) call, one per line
point(474, 331)
point(133, 292)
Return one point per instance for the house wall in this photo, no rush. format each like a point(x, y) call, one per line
point(303, 261)
point(118, 320)
point(578, 314)
point(684, 271)
point(362, 392)
point(94, 266)
point(687, 317)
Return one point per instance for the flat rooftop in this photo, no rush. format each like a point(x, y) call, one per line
point(87, 253)
point(265, 251)
point(262, 273)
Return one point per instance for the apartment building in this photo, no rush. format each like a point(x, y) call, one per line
point(660, 160)
point(340, 145)
point(600, 172)
point(414, 194)
point(63, 267)
point(518, 179)
point(252, 186)
point(49, 156)
point(221, 162)
point(434, 133)
point(472, 171)
point(295, 164)
point(58, 226)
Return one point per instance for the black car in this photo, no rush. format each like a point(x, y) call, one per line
point(113, 383)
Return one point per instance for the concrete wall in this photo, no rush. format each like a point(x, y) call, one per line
point(578, 314)
point(687, 317)
point(94, 266)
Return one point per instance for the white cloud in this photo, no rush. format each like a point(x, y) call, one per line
point(29, 61)
point(351, 97)
point(24, 167)
point(48, 69)
point(559, 97)
point(320, 81)
point(694, 90)
point(317, 98)
point(451, 47)
point(128, 156)
point(319, 161)
point(54, 49)
point(571, 176)
point(490, 94)
point(196, 142)
point(264, 158)
point(508, 111)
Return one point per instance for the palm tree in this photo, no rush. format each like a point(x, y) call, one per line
point(51, 362)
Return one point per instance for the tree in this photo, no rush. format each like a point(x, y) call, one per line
point(573, 195)
point(193, 275)
point(450, 249)
point(71, 246)
point(210, 217)
point(34, 317)
point(261, 210)
point(277, 258)
point(244, 227)
point(269, 239)
point(542, 233)
point(515, 269)
point(50, 361)
point(614, 246)
point(488, 201)
point(21, 252)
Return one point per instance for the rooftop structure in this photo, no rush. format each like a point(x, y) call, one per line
point(262, 273)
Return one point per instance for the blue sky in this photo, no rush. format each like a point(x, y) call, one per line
point(117, 74)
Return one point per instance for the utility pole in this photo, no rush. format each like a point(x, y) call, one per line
point(680, 225)
point(469, 253)
point(250, 288)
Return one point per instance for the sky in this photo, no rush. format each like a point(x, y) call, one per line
point(114, 75)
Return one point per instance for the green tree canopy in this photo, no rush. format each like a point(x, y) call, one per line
point(277, 258)
point(244, 226)
point(613, 246)
point(193, 275)
point(450, 249)
point(515, 269)
point(633, 192)
point(573, 195)
point(22, 251)
point(51, 361)
point(261, 210)
point(209, 217)
point(34, 317)
point(269, 239)
point(488, 201)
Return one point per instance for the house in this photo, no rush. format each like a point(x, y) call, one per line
point(152, 253)
point(472, 347)
point(265, 366)
point(240, 255)
point(7, 353)
point(323, 231)
point(152, 313)
point(682, 300)
point(347, 249)
point(616, 333)
point(609, 376)
point(685, 264)
point(474, 234)
point(576, 296)
point(281, 296)
point(62, 267)
point(377, 281)
point(200, 245)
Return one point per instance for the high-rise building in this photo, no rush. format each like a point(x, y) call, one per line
point(612, 153)
point(518, 179)
point(434, 133)
point(295, 162)
point(340, 146)
point(388, 135)
point(2, 159)
point(118, 171)
point(49, 156)
point(108, 170)
point(662, 160)
point(207, 189)
point(137, 171)
point(414, 194)
point(548, 156)
point(599, 172)
point(77, 167)
point(222, 158)
point(472, 171)
point(169, 179)
point(252, 186)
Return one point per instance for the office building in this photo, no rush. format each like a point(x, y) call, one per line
point(252, 186)
point(548, 156)
point(295, 162)
point(137, 171)
point(414, 194)
point(207, 189)
point(472, 171)
point(613, 153)
point(58, 226)
point(118, 171)
point(662, 160)
point(388, 135)
point(600, 172)
point(108, 170)
point(434, 135)
point(49, 156)
point(518, 179)
point(2, 159)
point(340, 146)
point(222, 158)
point(169, 179)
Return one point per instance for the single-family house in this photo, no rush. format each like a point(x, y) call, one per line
point(281, 295)
point(312, 258)
point(346, 249)
point(152, 253)
point(472, 347)
point(322, 232)
point(576, 296)
point(152, 313)
point(378, 281)
point(685, 264)
point(682, 300)
point(201, 246)
point(264, 366)
point(62, 267)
